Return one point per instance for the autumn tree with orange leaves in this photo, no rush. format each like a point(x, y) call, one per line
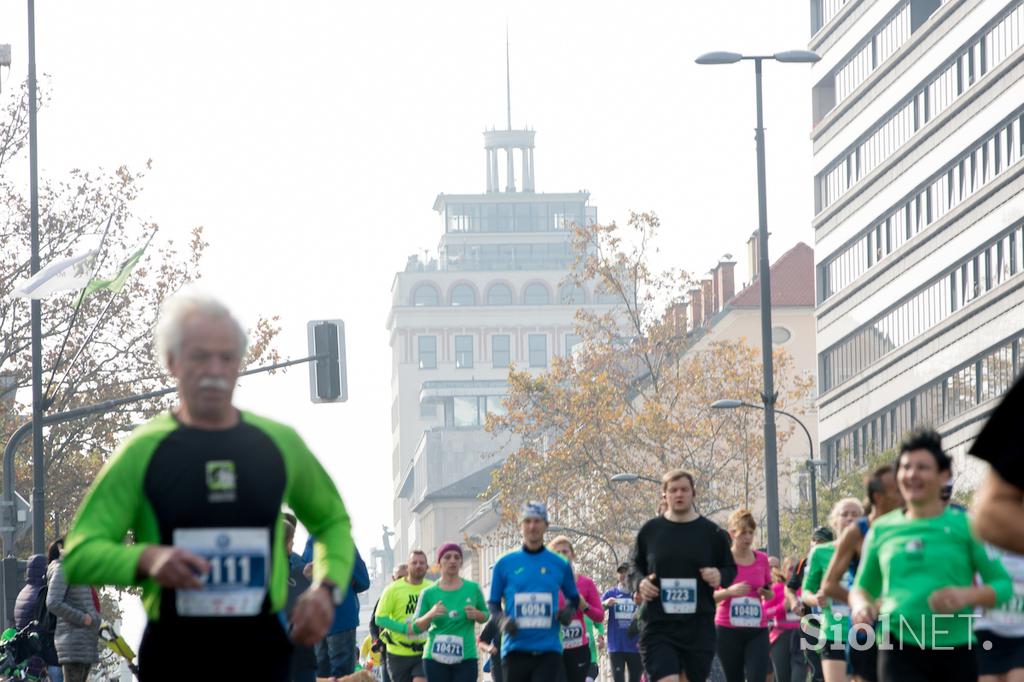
point(634, 398)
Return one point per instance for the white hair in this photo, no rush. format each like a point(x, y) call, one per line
point(178, 308)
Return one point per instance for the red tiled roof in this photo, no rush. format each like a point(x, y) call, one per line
point(792, 278)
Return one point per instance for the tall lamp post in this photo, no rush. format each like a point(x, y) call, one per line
point(770, 453)
point(812, 464)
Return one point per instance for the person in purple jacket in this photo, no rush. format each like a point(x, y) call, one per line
point(622, 649)
point(336, 653)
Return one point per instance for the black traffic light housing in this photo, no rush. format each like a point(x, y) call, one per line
point(328, 378)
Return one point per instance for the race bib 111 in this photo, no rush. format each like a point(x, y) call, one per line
point(236, 584)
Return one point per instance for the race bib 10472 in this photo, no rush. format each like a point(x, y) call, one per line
point(679, 595)
point(236, 584)
point(533, 610)
point(572, 634)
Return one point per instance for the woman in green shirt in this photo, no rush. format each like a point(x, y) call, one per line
point(447, 612)
point(917, 575)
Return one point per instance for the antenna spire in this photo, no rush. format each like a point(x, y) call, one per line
point(508, 81)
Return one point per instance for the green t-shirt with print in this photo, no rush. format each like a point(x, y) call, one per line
point(451, 639)
point(835, 615)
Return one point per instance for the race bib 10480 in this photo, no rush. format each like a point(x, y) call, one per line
point(236, 584)
point(533, 610)
point(679, 595)
point(745, 612)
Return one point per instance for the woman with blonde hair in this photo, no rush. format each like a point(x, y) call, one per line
point(740, 618)
point(835, 615)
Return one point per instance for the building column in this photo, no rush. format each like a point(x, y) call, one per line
point(494, 168)
point(528, 162)
point(487, 158)
point(510, 181)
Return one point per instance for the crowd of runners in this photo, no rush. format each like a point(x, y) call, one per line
point(898, 588)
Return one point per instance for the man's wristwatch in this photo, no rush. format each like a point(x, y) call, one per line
point(337, 596)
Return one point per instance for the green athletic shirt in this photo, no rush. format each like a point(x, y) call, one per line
point(592, 629)
point(831, 615)
point(167, 477)
point(904, 560)
point(395, 610)
point(459, 625)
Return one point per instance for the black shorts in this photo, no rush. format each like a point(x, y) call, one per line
point(833, 651)
point(1003, 655)
point(161, 657)
point(864, 662)
point(684, 646)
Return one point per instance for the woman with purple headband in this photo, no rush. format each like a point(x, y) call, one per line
point(448, 612)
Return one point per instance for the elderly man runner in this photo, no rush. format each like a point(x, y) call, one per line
point(202, 487)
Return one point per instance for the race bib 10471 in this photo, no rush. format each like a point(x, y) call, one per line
point(447, 649)
point(236, 584)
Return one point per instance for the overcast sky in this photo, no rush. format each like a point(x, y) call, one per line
point(311, 138)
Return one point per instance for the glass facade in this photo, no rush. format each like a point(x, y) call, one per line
point(979, 381)
point(823, 11)
point(463, 294)
point(499, 294)
point(970, 63)
point(998, 260)
point(501, 355)
point(425, 295)
point(427, 347)
point(514, 217)
point(556, 256)
point(471, 411)
point(463, 352)
point(538, 350)
point(986, 160)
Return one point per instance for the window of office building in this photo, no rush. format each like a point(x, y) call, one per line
point(973, 276)
point(538, 350)
point(570, 294)
point(499, 294)
point(427, 352)
point(463, 294)
point(536, 294)
point(463, 352)
point(425, 295)
point(501, 356)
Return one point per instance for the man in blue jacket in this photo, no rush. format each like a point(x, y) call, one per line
point(336, 654)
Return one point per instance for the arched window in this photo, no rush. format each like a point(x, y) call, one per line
point(603, 294)
point(499, 294)
point(536, 294)
point(424, 295)
point(571, 294)
point(463, 294)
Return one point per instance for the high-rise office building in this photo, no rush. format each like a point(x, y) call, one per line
point(919, 211)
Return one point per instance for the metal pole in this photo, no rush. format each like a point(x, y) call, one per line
point(38, 467)
point(764, 274)
point(811, 466)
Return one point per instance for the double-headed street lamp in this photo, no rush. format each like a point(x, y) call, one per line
point(630, 478)
point(812, 464)
point(770, 453)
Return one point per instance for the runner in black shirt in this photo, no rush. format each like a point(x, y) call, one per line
point(679, 560)
point(999, 501)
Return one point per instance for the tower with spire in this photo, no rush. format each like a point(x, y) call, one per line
point(494, 294)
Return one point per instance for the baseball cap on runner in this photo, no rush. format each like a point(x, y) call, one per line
point(534, 510)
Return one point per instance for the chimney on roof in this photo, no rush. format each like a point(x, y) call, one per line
point(725, 281)
point(753, 256)
point(675, 318)
point(696, 308)
point(709, 300)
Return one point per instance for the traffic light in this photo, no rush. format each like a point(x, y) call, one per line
point(328, 379)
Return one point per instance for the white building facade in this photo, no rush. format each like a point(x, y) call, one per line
point(919, 209)
point(495, 295)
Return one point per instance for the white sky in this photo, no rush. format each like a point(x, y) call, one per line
point(310, 139)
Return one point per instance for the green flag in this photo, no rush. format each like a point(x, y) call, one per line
point(116, 283)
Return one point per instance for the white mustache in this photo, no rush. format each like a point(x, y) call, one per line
point(217, 383)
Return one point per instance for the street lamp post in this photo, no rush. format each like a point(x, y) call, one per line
point(769, 396)
point(811, 463)
point(630, 478)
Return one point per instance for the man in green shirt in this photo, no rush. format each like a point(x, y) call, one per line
point(917, 575)
point(396, 613)
point(201, 488)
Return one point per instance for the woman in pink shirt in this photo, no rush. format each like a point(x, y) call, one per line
point(740, 617)
point(785, 654)
point(575, 644)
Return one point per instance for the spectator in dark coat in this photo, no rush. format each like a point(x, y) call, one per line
point(336, 654)
point(27, 607)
